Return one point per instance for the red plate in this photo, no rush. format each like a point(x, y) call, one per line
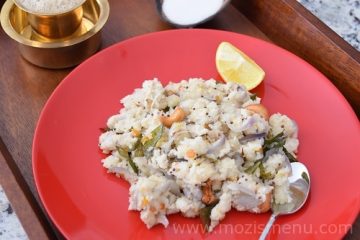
point(87, 203)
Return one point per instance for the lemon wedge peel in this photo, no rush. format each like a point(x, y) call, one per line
point(233, 65)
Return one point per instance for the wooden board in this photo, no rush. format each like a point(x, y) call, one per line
point(24, 88)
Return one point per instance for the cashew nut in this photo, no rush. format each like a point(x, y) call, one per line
point(259, 109)
point(177, 116)
point(265, 206)
point(208, 195)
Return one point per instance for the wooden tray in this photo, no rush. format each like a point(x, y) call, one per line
point(25, 88)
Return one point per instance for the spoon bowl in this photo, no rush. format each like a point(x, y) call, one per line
point(299, 188)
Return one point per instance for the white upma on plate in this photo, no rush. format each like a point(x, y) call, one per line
point(199, 148)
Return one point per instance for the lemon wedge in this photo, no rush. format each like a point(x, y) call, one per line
point(235, 66)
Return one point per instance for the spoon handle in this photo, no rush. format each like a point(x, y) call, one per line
point(267, 227)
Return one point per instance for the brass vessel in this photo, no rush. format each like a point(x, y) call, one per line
point(57, 25)
point(61, 52)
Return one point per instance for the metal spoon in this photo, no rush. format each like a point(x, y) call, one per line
point(160, 4)
point(299, 187)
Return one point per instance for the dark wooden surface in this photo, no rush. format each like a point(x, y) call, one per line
point(24, 89)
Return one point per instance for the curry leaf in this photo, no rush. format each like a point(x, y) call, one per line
point(138, 149)
point(253, 96)
point(263, 174)
point(276, 142)
point(205, 213)
point(155, 137)
point(305, 177)
point(123, 153)
point(126, 155)
point(252, 169)
point(289, 155)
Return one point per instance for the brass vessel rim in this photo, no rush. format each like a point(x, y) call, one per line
point(47, 14)
point(8, 28)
